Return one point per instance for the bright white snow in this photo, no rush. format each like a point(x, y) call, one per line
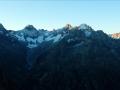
point(83, 26)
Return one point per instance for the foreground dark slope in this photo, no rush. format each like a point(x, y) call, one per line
point(12, 62)
point(83, 59)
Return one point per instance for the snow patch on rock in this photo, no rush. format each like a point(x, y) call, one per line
point(87, 33)
point(57, 38)
point(84, 26)
point(31, 40)
point(21, 38)
point(40, 39)
point(53, 38)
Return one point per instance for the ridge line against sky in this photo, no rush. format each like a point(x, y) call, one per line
point(100, 15)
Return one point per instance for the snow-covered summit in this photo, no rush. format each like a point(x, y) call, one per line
point(84, 26)
point(28, 31)
point(86, 29)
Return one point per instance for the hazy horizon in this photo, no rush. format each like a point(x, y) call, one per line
point(100, 15)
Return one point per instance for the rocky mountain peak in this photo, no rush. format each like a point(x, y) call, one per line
point(30, 27)
point(84, 27)
point(68, 27)
point(2, 27)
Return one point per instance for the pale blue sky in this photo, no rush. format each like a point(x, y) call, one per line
point(50, 14)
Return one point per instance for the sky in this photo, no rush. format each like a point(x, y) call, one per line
point(52, 14)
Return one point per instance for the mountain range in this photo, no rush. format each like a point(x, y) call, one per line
point(69, 58)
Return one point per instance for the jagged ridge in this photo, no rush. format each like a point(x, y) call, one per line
point(34, 37)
